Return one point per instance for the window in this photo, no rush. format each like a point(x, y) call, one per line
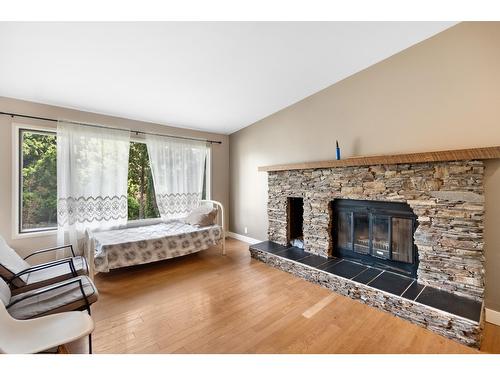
point(37, 181)
point(37, 192)
point(141, 193)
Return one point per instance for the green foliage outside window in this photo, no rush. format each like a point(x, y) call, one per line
point(39, 180)
point(141, 195)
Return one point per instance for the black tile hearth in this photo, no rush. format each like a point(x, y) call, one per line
point(313, 260)
point(451, 303)
point(293, 253)
point(382, 280)
point(270, 247)
point(331, 262)
point(368, 275)
point(391, 283)
point(346, 269)
point(413, 290)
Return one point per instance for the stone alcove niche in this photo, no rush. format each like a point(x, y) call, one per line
point(295, 221)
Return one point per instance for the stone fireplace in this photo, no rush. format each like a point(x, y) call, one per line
point(403, 233)
point(447, 199)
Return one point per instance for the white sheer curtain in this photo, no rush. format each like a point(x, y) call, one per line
point(178, 167)
point(92, 171)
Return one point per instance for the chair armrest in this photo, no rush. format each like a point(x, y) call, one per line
point(44, 266)
point(52, 249)
point(51, 288)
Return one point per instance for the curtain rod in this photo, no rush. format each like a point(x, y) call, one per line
point(108, 127)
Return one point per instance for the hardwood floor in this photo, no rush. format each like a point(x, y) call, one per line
point(207, 303)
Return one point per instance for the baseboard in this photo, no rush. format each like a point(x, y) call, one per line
point(492, 316)
point(246, 239)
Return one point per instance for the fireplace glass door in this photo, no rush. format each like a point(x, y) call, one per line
point(377, 233)
point(402, 244)
point(361, 233)
point(380, 236)
point(345, 229)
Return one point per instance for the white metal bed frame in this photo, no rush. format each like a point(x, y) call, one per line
point(220, 209)
point(90, 242)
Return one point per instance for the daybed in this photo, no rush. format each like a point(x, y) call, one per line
point(107, 250)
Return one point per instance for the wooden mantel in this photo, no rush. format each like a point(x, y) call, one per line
point(419, 157)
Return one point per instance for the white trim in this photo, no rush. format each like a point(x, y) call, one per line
point(492, 316)
point(246, 239)
point(16, 127)
point(15, 181)
point(42, 233)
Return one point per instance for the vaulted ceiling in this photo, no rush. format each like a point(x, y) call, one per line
point(212, 76)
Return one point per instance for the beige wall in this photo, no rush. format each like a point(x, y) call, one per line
point(220, 157)
point(443, 93)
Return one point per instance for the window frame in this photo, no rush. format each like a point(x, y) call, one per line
point(17, 232)
point(16, 200)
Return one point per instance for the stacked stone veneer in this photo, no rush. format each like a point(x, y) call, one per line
point(447, 197)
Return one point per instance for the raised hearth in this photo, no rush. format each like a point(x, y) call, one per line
point(445, 313)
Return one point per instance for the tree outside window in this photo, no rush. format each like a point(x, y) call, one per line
point(38, 181)
point(141, 194)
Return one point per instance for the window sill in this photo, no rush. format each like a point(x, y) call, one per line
point(46, 233)
point(53, 232)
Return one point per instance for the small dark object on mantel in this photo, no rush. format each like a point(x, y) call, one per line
point(338, 149)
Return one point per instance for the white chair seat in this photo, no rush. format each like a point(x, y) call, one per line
point(39, 334)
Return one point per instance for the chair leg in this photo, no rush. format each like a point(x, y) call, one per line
point(90, 335)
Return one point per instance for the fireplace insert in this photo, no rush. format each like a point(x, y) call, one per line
point(376, 233)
